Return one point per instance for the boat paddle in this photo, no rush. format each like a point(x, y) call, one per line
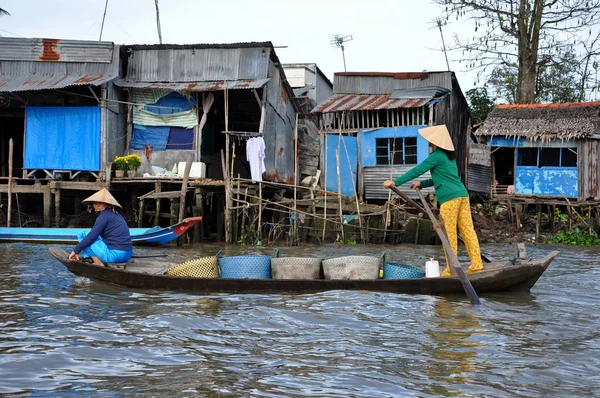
point(416, 206)
point(454, 264)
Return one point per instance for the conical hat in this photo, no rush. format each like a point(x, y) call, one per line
point(438, 136)
point(103, 196)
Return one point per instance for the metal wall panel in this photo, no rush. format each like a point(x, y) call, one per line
point(479, 178)
point(202, 64)
point(375, 176)
point(55, 50)
point(378, 84)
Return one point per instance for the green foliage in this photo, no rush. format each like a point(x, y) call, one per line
point(575, 237)
point(480, 104)
point(560, 217)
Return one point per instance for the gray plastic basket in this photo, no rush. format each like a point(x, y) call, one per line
point(352, 267)
point(296, 268)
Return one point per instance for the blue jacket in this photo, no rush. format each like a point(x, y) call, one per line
point(113, 230)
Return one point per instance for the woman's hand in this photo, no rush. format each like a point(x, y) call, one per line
point(388, 183)
point(73, 257)
point(415, 185)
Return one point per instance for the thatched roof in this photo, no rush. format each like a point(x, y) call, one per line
point(573, 120)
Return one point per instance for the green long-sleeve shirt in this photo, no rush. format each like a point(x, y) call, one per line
point(444, 176)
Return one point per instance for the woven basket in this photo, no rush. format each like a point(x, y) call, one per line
point(401, 271)
point(253, 267)
point(205, 267)
point(296, 268)
point(352, 267)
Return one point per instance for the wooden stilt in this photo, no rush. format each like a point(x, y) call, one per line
point(339, 186)
point(57, 208)
point(10, 181)
point(538, 221)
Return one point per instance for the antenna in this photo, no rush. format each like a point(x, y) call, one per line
point(338, 41)
point(158, 22)
point(103, 18)
point(439, 22)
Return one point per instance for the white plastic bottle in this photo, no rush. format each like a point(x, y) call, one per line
point(432, 268)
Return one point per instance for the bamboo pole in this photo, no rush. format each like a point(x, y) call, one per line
point(227, 175)
point(325, 186)
point(10, 181)
point(260, 200)
point(339, 186)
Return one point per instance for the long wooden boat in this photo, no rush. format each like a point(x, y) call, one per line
point(497, 277)
point(140, 236)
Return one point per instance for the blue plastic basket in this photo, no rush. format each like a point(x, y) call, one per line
point(401, 271)
point(252, 267)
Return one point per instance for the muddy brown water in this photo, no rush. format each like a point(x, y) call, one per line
point(62, 335)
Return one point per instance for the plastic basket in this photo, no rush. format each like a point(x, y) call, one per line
point(205, 267)
point(252, 267)
point(351, 268)
point(401, 271)
point(296, 268)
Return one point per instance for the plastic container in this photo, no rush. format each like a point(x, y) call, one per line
point(198, 170)
point(239, 267)
point(432, 269)
point(401, 271)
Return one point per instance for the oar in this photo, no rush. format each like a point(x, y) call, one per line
point(417, 207)
point(454, 264)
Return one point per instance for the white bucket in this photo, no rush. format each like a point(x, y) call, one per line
point(432, 269)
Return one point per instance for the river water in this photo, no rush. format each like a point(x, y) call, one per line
point(62, 335)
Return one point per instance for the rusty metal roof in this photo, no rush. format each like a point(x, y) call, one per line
point(39, 64)
point(196, 86)
point(349, 102)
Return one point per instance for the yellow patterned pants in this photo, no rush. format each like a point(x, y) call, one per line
point(457, 213)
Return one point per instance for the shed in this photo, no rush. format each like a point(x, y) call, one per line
point(546, 150)
point(181, 93)
point(371, 123)
point(59, 105)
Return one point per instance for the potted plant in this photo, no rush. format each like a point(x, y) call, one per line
point(120, 165)
point(133, 163)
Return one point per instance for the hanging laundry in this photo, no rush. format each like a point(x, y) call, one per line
point(255, 155)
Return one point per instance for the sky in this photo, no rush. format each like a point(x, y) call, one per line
point(388, 35)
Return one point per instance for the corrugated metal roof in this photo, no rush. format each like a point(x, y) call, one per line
point(55, 50)
point(196, 86)
point(386, 83)
point(27, 74)
point(342, 102)
point(425, 92)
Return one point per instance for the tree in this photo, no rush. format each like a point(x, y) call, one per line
point(525, 34)
point(480, 104)
point(3, 12)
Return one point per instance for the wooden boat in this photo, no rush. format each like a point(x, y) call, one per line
point(138, 273)
point(140, 236)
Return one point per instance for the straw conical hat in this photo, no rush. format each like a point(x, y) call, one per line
point(438, 136)
point(103, 196)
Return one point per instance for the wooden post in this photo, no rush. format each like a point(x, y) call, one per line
point(227, 198)
point(184, 185)
point(57, 208)
point(157, 188)
point(295, 214)
point(47, 204)
point(552, 225)
point(141, 213)
point(538, 221)
point(10, 181)
point(324, 188)
point(198, 210)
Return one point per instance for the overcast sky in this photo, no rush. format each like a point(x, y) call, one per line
point(389, 35)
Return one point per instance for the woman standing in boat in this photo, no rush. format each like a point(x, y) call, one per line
point(450, 192)
point(109, 239)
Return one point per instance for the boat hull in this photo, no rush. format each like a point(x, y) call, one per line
point(498, 277)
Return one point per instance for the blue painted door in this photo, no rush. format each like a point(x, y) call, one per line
point(348, 150)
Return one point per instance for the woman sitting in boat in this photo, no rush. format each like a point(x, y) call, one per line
point(450, 192)
point(109, 240)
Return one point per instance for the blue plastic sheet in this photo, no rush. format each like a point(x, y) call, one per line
point(157, 137)
point(62, 138)
point(171, 103)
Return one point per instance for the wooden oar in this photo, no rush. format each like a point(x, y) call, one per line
point(417, 207)
point(455, 266)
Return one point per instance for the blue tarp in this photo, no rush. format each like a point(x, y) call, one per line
point(171, 103)
point(180, 138)
point(157, 137)
point(62, 138)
